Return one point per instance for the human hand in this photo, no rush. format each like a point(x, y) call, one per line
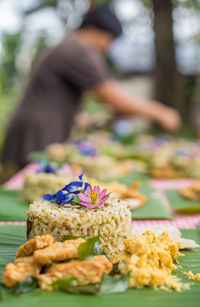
point(169, 119)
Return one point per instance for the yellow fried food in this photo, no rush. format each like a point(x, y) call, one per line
point(167, 171)
point(20, 270)
point(36, 243)
point(192, 192)
point(123, 192)
point(149, 259)
point(86, 272)
point(58, 251)
point(197, 277)
point(190, 275)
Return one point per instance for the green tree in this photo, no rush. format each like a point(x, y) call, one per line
point(169, 83)
point(11, 44)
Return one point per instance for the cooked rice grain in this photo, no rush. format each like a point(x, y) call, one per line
point(38, 184)
point(111, 221)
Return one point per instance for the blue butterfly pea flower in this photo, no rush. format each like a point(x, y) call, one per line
point(69, 193)
point(74, 187)
point(47, 168)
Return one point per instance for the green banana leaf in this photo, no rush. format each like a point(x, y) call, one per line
point(154, 207)
point(12, 236)
point(11, 207)
point(38, 155)
point(181, 204)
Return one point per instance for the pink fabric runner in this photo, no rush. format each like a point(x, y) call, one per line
point(180, 221)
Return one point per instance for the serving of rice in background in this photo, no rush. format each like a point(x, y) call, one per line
point(38, 184)
point(112, 222)
point(93, 166)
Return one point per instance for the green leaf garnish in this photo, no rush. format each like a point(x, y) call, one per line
point(88, 289)
point(111, 284)
point(95, 250)
point(25, 286)
point(69, 284)
point(108, 285)
point(65, 283)
point(88, 248)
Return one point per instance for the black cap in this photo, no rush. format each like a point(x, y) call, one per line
point(103, 18)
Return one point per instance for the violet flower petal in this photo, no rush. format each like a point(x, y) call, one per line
point(88, 190)
point(102, 194)
point(84, 197)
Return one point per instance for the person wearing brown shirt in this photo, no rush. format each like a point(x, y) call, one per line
point(54, 91)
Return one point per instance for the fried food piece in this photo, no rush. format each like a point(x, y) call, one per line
point(134, 198)
point(86, 272)
point(58, 251)
point(149, 260)
point(190, 275)
point(197, 277)
point(168, 172)
point(20, 270)
point(192, 192)
point(38, 242)
point(104, 261)
point(132, 193)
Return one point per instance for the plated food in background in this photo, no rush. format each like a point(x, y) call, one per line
point(183, 200)
point(167, 172)
point(171, 157)
point(129, 194)
point(158, 156)
point(93, 162)
point(192, 192)
point(81, 210)
point(48, 179)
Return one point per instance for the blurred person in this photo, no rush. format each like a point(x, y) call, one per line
point(54, 92)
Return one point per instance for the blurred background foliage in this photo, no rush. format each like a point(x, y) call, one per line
point(161, 39)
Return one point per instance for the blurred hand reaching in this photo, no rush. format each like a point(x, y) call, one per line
point(169, 119)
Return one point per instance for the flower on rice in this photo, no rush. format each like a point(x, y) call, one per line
point(93, 198)
point(47, 168)
point(86, 148)
point(69, 194)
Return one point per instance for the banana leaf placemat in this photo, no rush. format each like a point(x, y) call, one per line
point(12, 236)
point(181, 204)
point(154, 207)
point(11, 207)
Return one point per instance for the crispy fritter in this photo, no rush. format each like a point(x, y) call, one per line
point(192, 192)
point(36, 243)
point(167, 171)
point(124, 192)
point(86, 272)
point(104, 261)
point(20, 270)
point(58, 251)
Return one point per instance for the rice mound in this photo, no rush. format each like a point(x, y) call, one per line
point(112, 222)
point(38, 184)
point(96, 166)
